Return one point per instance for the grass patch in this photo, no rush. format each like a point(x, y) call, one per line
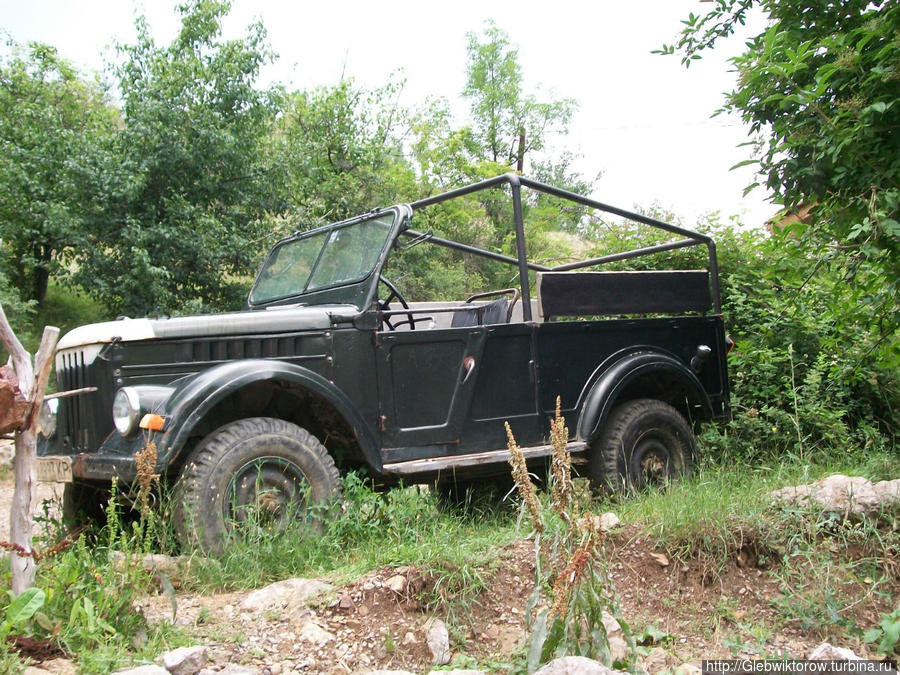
point(721, 509)
point(830, 570)
point(403, 526)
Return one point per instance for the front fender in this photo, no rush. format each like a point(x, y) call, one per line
point(611, 382)
point(192, 401)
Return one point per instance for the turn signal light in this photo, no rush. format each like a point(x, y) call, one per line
point(153, 422)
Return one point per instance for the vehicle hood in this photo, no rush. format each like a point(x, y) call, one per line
point(273, 320)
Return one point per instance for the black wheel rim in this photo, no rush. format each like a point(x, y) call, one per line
point(651, 460)
point(268, 491)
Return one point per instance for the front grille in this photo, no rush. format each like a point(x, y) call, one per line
point(74, 414)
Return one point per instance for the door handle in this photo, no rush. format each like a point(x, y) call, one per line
point(468, 367)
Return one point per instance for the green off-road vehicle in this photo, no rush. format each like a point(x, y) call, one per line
point(330, 369)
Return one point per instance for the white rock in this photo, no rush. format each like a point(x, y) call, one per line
point(688, 668)
point(185, 660)
point(618, 649)
point(235, 669)
point(438, 640)
point(283, 593)
point(843, 494)
point(656, 661)
point(314, 633)
point(143, 670)
point(575, 665)
point(457, 671)
point(828, 652)
point(609, 521)
point(396, 583)
point(610, 624)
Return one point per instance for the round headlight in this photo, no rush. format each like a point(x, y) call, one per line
point(126, 411)
point(47, 418)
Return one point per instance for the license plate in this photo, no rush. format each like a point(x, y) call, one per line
point(54, 469)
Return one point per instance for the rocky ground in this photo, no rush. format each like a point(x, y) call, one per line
point(377, 622)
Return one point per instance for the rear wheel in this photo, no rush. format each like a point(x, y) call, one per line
point(258, 471)
point(645, 443)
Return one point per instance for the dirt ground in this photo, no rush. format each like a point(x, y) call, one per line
point(367, 625)
point(376, 623)
point(49, 492)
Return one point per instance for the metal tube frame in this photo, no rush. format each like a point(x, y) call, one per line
point(515, 182)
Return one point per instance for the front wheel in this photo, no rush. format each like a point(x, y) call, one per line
point(645, 443)
point(256, 471)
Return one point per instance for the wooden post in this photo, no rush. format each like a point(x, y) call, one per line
point(32, 383)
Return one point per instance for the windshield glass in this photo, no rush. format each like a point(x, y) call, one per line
point(333, 256)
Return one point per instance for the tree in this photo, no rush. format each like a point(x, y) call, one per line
point(821, 86)
point(508, 123)
point(341, 151)
point(50, 120)
point(183, 188)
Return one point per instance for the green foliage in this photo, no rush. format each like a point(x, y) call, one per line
point(400, 527)
point(886, 636)
point(821, 86)
point(21, 608)
point(86, 594)
point(340, 149)
point(811, 376)
point(185, 182)
point(508, 123)
point(51, 120)
point(571, 579)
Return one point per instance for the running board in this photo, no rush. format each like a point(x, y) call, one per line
point(475, 459)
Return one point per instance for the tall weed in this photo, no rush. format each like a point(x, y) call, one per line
point(573, 590)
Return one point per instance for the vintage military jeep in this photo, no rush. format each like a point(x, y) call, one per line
point(331, 367)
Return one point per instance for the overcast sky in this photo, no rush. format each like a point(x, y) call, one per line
point(643, 120)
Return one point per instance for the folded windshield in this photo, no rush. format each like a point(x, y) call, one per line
point(325, 258)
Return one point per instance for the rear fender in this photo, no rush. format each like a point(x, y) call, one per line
point(610, 381)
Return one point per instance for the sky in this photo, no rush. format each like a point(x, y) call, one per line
point(644, 122)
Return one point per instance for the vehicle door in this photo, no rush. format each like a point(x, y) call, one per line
point(448, 391)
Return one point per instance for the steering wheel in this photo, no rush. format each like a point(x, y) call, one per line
point(384, 305)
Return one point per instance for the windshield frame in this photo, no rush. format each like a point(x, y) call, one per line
point(358, 291)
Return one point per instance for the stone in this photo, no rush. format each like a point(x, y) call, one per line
point(610, 624)
point(284, 593)
point(688, 668)
point(236, 669)
point(60, 667)
point(609, 521)
point(314, 633)
point(457, 671)
point(396, 583)
point(175, 568)
point(143, 670)
point(841, 494)
point(438, 639)
point(828, 652)
point(575, 665)
point(185, 660)
point(656, 661)
point(618, 649)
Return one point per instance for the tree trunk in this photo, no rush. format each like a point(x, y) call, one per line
point(32, 383)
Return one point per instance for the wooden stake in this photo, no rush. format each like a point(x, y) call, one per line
point(25, 492)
